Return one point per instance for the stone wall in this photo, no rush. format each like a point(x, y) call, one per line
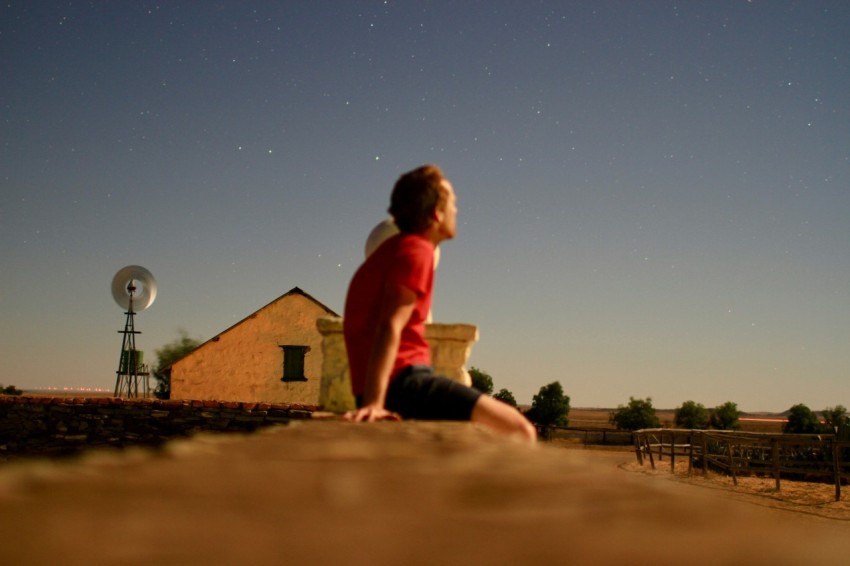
point(63, 426)
point(450, 345)
point(245, 362)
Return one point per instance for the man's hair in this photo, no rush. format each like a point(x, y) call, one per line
point(415, 196)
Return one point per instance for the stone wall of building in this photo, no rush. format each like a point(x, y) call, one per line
point(245, 362)
point(63, 426)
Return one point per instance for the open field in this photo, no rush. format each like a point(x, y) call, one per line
point(64, 393)
point(598, 418)
point(579, 417)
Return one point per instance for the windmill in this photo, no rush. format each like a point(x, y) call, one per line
point(134, 289)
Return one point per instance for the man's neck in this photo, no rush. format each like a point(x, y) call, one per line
point(433, 234)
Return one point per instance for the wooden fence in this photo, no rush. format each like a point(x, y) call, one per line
point(812, 457)
point(587, 435)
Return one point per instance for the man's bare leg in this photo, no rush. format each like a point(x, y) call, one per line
point(502, 418)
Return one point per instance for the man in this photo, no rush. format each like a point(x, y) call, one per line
point(388, 302)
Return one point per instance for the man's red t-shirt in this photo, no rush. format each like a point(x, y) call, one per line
point(403, 260)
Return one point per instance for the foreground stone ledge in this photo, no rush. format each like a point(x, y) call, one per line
point(409, 493)
point(51, 426)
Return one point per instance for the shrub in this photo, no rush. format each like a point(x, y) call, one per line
point(481, 380)
point(638, 414)
point(835, 418)
point(166, 356)
point(691, 415)
point(505, 396)
point(10, 390)
point(801, 420)
point(725, 416)
point(550, 406)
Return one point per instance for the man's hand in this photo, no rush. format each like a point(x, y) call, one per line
point(370, 414)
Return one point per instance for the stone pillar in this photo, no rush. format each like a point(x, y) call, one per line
point(335, 391)
point(450, 344)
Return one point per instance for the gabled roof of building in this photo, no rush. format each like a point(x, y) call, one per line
point(293, 291)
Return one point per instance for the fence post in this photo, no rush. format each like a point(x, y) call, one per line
point(836, 467)
point(731, 463)
point(673, 452)
point(636, 441)
point(704, 448)
point(690, 452)
point(649, 451)
point(660, 442)
point(774, 454)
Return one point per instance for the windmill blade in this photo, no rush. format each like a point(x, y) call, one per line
point(139, 281)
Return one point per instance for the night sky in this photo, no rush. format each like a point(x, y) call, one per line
point(654, 197)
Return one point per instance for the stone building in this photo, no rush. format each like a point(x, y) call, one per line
point(272, 356)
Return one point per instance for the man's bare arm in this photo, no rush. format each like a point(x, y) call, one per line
point(396, 308)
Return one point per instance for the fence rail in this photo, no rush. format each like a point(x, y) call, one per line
point(588, 435)
point(822, 457)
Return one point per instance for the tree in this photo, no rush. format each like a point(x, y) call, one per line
point(638, 414)
point(550, 407)
point(835, 417)
point(725, 416)
point(691, 415)
point(10, 390)
point(505, 396)
point(166, 356)
point(801, 420)
point(481, 380)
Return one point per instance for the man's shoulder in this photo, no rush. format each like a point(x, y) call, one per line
point(413, 242)
point(401, 255)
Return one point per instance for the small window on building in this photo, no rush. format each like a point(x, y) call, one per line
point(293, 363)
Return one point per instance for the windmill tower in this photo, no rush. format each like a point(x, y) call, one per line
point(134, 290)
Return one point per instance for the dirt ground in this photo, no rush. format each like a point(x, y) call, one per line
point(807, 498)
point(386, 493)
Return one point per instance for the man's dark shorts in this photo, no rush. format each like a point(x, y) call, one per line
point(416, 393)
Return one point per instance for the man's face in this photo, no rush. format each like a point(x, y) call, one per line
point(447, 212)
